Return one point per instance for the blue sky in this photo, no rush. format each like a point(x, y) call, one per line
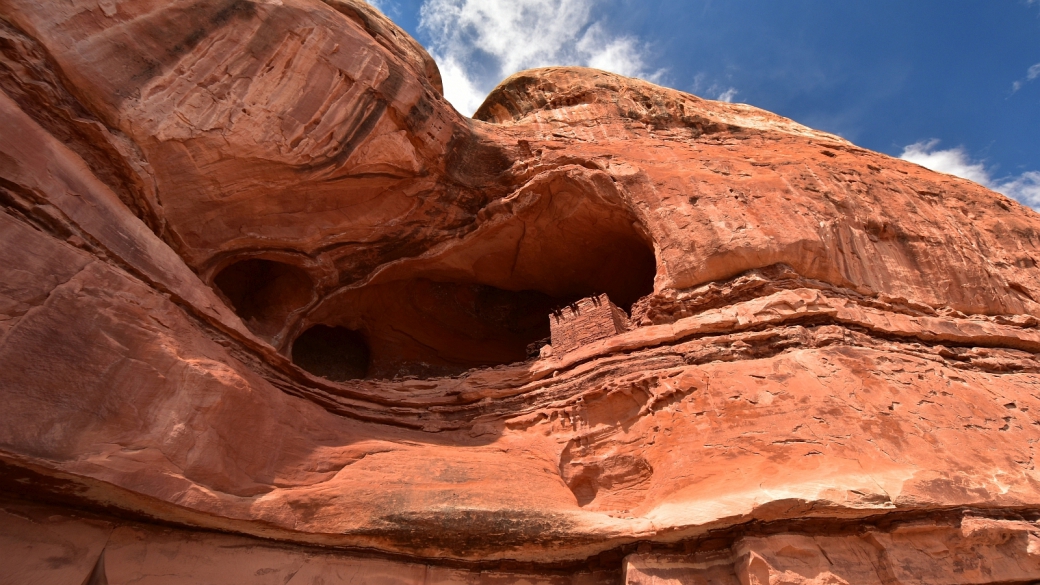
point(951, 84)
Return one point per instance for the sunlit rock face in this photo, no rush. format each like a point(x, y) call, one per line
point(272, 311)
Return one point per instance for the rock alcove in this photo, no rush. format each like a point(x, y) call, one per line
point(265, 293)
point(478, 301)
point(336, 353)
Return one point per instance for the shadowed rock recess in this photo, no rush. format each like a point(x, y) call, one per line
point(271, 311)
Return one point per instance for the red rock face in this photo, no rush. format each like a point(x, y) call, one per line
point(258, 278)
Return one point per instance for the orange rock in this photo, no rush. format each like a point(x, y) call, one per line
point(258, 277)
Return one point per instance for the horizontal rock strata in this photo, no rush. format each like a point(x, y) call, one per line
point(271, 310)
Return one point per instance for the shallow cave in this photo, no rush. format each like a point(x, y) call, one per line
point(428, 328)
point(264, 293)
point(487, 300)
point(336, 353)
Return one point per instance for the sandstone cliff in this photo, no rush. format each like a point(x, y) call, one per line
point(271, 311)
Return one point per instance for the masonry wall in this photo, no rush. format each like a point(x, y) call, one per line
point(585, 321)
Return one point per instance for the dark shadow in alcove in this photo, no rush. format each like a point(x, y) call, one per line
point(336, 353)
point(484, 299)
point(431, 328)
point(265, 292)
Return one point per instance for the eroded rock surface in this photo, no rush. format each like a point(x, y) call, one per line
point(272, 311)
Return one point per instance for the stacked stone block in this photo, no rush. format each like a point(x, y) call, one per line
point(585, 321)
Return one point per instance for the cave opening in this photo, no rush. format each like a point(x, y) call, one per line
point(264, 293)
point(335, 353)
point(486, 300)
point(428, 326)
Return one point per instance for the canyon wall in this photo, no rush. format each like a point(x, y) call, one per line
point(272, 311)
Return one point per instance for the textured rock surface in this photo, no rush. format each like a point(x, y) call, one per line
point(830, 374)
point(971, 550)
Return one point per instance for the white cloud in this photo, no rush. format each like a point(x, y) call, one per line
point(728, 95)
point(459, 88)
point(622, 55)
point(382, 5)
point(714, 91)
point(954, 161)
point(1024, 188)
point(477, 43)
point(1031, 74)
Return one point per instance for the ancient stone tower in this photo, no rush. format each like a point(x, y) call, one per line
point(582, 322)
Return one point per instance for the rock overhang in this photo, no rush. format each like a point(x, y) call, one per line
point(819, 318)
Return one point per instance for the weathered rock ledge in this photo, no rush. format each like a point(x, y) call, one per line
point(272, 311)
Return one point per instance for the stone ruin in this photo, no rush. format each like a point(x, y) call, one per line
point(266, 299)
point(585, 321)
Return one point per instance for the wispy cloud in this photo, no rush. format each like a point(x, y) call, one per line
point(384, 6)
point(713, 91)
point(953, 161)
point(477, 43)
point(728, 95)
point(1031, 74)
point(1024, 188)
